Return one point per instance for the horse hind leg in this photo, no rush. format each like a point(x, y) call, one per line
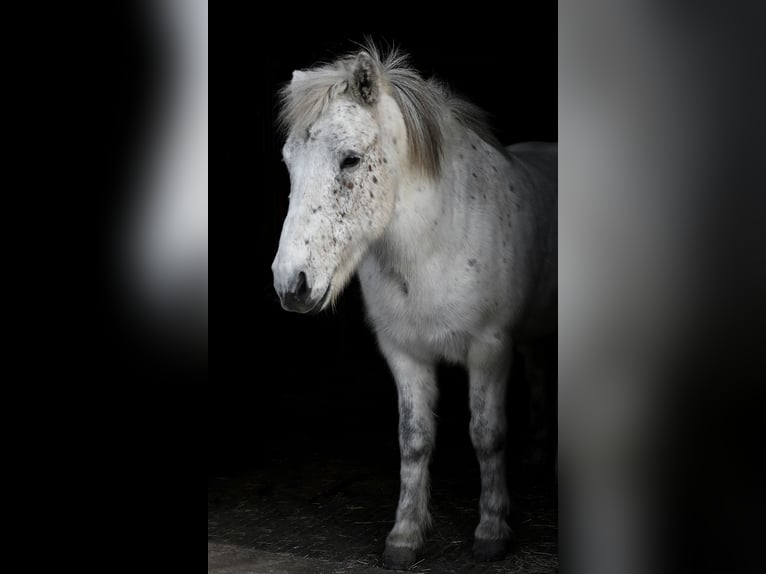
point(416, 385)
point(540, 374)
point(489, 365)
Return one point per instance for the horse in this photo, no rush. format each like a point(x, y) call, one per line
point(453, 237)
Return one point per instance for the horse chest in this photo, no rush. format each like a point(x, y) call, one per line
point(417, 311)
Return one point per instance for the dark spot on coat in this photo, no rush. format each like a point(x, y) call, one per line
point(369, 168)
point(350, 184)
point(413, 456)
point(385, 160)
point(405, 287)
point(394, 141)
point(510, 187)
point(406, 426)
point(471, 262)
point(473, 146)
point(473, 174)
point(374, 179)
point(305, 241)
point(494, 169)
point(372, 194)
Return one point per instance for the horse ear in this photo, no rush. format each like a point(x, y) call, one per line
point(365, 79)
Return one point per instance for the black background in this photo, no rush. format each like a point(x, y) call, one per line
point(324, 360)
point(283, 384)
point(116, 419)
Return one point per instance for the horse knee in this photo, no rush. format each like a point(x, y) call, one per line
point(416, 438)
point(487, 440)
point(413, 454)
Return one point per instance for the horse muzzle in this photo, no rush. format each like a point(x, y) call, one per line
point(299, 297)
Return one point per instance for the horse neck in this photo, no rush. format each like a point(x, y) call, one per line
point(428, 216)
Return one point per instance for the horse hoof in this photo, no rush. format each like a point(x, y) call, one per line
point(490, 550)
point(398, 558)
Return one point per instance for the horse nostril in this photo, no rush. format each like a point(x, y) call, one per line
point(301, 289)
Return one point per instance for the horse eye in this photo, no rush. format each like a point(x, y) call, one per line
point(350, 161)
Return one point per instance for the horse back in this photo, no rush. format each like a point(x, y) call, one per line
point(543, 156)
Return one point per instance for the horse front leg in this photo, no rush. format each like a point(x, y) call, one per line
point(416, 385)
point(489, 363)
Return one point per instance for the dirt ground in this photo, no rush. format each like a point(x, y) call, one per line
point(304, 476)
point(332, 516)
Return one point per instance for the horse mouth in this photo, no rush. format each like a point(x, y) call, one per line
point(321, 303)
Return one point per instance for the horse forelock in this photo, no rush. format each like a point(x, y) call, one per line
point(424, 104)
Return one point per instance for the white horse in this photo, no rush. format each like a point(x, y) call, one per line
point(454, 241)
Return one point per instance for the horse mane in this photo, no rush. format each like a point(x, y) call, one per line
point(425, 104)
